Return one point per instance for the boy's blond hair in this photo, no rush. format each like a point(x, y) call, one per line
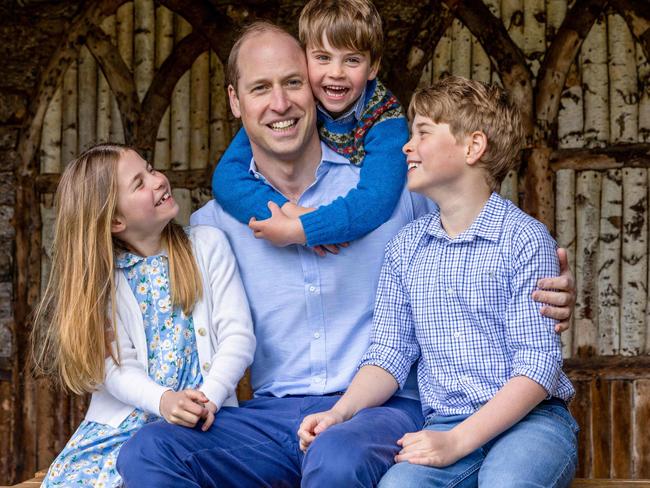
point(347, 24)
point(469, 106)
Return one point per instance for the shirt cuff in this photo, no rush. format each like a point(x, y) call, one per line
point(388, 359)
point(215, 391)
point(541, 367)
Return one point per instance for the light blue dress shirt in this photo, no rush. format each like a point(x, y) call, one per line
point(462, 308)
point(312, 315)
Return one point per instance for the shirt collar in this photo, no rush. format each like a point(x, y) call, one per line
point(126, 259)
point(487, 225)
point(328, 155)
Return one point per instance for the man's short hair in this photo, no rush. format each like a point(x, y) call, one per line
point(469, 106)
point(251, 30)
point(347, 24)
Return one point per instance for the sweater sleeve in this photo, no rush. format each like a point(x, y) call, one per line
point(241, 194)
point(372, 202)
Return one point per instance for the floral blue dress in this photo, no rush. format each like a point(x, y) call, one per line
point(90, 456)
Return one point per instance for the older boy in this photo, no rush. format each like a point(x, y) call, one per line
point(455, 295)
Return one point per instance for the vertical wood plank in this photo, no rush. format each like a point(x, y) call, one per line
point(164, 46)
point(641, 449)
point(634, 272)
point(442, 57)
point(87, 89)
point(587, 220)
point(219, 109)
point(570, 122)
point(69, 138)
point(143, 45)
point(534, 33)
point(609, 263)
point(601, 428)
point(621, 407)
point(461, 45)
point(643, 70)
point(623, 86)
point(593, 61)
point(180, 109)
point(184, 199)
point(200, 111)
point(510, 187)
point(565, 229)
point(50, 152)
point(512, 13)
point(581, 411)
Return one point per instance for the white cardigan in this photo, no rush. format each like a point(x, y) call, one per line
point(223, 330)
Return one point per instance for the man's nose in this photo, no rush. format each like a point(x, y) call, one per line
point(279, 100)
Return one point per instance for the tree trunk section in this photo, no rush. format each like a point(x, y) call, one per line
point(144, 50)
point(200, 112)
point(219, 128)
point(87, 90)
point(565, 229)
point(570, 121)
point(461, 41)
point(164, 47)
point(50, 153)
point(534, 33)
point(69, 100)
point(595, 84)
point(180, 110)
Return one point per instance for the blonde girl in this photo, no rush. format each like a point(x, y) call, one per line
point(151, 319)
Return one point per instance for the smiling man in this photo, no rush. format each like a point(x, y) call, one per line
point(312, 315)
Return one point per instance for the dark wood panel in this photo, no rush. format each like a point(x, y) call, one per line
point(601, 428)
point(621, 408)
point(581, 410)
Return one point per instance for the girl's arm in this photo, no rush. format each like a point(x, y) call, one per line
point(231, 319)
point(239, 193)
point(372, 202)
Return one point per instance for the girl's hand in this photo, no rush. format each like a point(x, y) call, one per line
point(558, 294)
point(431, 448)
point(184, 407)
point(315, 424)
point(210, 412)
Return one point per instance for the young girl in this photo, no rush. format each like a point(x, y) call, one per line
point(151, 320)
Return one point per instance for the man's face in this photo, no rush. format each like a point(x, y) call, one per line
point(273, 97)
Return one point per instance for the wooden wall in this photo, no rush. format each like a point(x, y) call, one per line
point(151, 74)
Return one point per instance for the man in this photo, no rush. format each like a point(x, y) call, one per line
point(312, 315)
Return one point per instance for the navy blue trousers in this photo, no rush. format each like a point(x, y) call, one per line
point(256, 445)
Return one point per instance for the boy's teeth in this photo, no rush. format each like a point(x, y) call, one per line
point(283, 124)
point(412, 165)
point(335, 90)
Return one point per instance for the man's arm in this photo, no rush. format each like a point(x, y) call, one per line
point(558, 294)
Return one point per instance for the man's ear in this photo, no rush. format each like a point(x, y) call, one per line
point(234, 101)
point(477, 144)
point(117, 225)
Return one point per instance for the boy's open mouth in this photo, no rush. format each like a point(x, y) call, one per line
point(336, 91)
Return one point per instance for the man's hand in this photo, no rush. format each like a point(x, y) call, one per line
point(431, 448)
point(315, 424)
point(185, 407)
point(279, 229)
point(558, 294)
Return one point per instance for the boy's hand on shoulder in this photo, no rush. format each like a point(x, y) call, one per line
point(315, 424)
point(430, 448)
point(558, 294)
point(279, 229)
point(294, 211)
point(184, 407)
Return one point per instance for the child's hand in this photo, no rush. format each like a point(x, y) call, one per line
point(279, 229)
point(184, 407)
point(208, 418)
point(295, 211)
point(431, 448)
point(316, 423)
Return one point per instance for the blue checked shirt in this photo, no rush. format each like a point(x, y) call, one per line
point(462, 308)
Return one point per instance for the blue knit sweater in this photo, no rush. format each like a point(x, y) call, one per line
point(374, 142)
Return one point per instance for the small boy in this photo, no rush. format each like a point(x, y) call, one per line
point(455, 295)
point(357, 116)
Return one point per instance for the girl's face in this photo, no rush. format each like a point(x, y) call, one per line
point(144, 203)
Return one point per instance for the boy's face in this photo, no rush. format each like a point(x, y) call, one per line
point(433, 156)
point(338, 76)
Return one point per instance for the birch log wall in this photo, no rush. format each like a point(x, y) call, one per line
point(150, 74)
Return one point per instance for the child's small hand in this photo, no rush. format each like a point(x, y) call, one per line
point(431, 448)
point(279, 229)
point(208, 418)
point(315, 424)
point(183, 407)
point(295, 211)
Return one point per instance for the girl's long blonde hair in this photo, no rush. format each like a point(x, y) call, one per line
point(74, 323)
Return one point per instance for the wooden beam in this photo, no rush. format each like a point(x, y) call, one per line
point(189, 179)
point(611, 157)
point(608, 367)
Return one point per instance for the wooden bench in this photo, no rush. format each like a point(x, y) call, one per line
point(578, 483)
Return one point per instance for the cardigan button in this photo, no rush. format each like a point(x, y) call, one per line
point(202, 331)
point(206, 366)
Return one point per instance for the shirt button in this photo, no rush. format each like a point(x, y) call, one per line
point(202, 331)
point(312, 289)
point(450, 291)
point(317, 380)
point(317, 335)
point(206, 366)
point(456, 334)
